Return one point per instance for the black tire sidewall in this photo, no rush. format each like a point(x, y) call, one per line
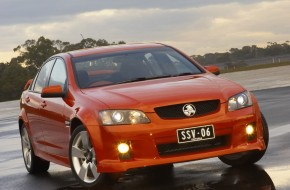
point(265, 130)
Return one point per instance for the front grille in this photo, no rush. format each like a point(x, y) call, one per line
point(176, 111)
point(175, 148)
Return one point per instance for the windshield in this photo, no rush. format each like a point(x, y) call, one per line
point(131, 66)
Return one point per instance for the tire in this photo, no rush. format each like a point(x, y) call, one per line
point(83, 159)
point(33, 163)
point(163, 168)
point(250, 157)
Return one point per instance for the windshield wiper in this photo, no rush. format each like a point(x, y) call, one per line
point(156, 77)
point(144, 78)
point(182, 74)
point(159, 77)
point(133, 80)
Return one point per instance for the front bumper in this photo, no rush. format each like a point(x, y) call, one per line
point(145, 139)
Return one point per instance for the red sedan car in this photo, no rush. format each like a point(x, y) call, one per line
point(111, 109)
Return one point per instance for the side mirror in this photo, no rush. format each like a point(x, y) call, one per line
point(53, 92)
point(213, 69)
point(27, 84)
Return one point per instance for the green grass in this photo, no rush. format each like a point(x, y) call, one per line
point(263, 66)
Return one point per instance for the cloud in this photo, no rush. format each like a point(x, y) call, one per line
point(195, 27)
point(34, 11)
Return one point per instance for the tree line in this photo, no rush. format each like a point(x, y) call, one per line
point(15, 74)
point(236, 55)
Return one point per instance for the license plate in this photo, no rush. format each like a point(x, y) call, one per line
point(195, 134)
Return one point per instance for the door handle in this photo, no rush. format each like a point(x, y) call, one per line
point(43, 104)
point(27, 99)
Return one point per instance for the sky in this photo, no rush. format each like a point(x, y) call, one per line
point(195, 27)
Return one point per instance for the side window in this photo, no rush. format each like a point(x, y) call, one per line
point(43, 76)
point(33, 82)
point(58, 74)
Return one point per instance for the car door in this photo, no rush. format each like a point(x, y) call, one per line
point(33, 103)
point(54, 129)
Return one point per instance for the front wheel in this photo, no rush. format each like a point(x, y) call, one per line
point(83, 159)
point(251, 157)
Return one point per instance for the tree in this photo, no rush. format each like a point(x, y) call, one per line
point(34, 53)
point(223, 57)
point(235, 56)
point(60, 45)
point(13, 78)
point(85, 43)
point(2, 67)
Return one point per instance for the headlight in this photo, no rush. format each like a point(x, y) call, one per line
point(123, 117)
point(240, 101)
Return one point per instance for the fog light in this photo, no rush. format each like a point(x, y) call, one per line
point(251, 132)
point(250, 129)
point(123, 148)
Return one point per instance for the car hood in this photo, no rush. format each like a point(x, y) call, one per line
point(146, 95)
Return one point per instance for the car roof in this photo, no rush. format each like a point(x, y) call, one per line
point(112, 48)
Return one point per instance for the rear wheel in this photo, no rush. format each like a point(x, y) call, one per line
point(251, 157)
point(32, 163)
point(83, 159)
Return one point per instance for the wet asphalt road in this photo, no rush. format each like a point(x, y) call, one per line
point(272, 172)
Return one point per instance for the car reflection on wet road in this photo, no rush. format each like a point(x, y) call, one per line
point(271, 172)
point(202, 176)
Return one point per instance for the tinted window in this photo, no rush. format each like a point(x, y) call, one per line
point(33, 82)
point(129, 66)
point(43, 76)
point(58, 74)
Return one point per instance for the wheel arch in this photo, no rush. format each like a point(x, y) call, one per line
point(75, 122)
point(94, 134)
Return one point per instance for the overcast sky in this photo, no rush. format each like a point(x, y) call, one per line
point(193, 26)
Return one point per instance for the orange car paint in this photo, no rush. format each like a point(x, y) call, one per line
point(55, 118)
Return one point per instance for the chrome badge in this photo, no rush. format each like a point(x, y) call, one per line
point(189, 110)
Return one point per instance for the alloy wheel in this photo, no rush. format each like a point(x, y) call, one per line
point(84, 158)
point(26, 147)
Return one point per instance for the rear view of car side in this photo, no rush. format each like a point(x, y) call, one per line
point(107, 110)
